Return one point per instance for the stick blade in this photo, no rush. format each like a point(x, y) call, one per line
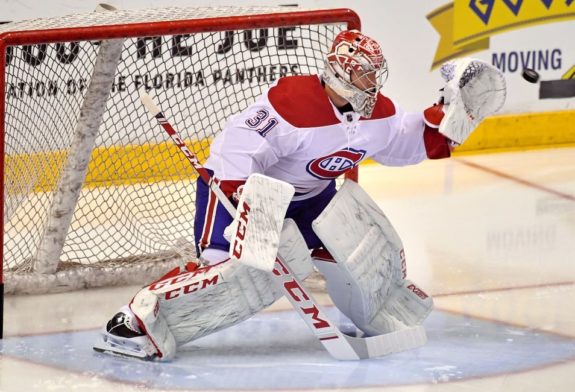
point(350, 348)
point(395, 342)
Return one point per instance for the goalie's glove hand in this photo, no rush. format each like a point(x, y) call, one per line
point(437, 146)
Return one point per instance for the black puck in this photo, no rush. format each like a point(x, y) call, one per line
point(530, 75)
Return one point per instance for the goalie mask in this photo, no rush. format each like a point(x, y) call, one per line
point(356, 69)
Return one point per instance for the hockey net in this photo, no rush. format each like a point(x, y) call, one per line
point(94, 194)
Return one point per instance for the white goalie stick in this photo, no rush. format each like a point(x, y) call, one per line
point(338, 344)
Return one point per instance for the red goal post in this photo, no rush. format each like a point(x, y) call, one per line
point(93, 193)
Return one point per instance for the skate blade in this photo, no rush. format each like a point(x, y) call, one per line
point(119, 352)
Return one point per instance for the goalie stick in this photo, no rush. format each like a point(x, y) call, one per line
point(338, 344)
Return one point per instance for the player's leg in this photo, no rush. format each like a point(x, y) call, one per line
point(180, 308)
point(123, 331)
point(185, 307)
point(214, 297)
point(304, 212)
point(210, 221)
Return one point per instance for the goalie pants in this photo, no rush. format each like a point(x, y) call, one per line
point(212, 218)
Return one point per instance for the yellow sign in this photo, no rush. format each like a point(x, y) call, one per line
point(466, 25)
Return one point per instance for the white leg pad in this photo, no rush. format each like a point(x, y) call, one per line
point(360, 285)
point(192, 309)
point(366, 280)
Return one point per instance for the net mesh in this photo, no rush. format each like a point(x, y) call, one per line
point(137, 201)
point(123, 17)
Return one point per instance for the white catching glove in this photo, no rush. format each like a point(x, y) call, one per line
point(474, 90)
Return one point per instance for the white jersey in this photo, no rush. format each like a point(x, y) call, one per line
point(295, 134)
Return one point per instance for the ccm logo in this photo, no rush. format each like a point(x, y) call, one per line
point(192, 287)
point(417, 291)
point(186, 276)
point(180, 143)
point(198, 280)
point(237, 246)
point(299, 295)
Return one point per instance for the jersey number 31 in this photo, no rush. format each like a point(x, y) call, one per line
point(260, 117)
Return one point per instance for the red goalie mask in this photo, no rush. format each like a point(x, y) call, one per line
point(356, 69)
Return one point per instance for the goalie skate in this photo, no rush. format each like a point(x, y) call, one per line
point(120, 337)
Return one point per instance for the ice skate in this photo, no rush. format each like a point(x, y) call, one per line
point(122, 336)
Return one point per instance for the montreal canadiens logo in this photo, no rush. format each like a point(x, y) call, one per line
point(334, 165)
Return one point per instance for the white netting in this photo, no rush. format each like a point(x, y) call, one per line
point(136, 207)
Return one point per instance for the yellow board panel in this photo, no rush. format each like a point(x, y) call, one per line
point(108, 166)
point(522, 131)
point(164, 162)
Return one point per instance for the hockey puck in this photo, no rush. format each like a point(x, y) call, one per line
point(530, 75)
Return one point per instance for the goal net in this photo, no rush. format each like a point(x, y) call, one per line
point(94, 193)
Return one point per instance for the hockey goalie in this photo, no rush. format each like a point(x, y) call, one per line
point(276, 163)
